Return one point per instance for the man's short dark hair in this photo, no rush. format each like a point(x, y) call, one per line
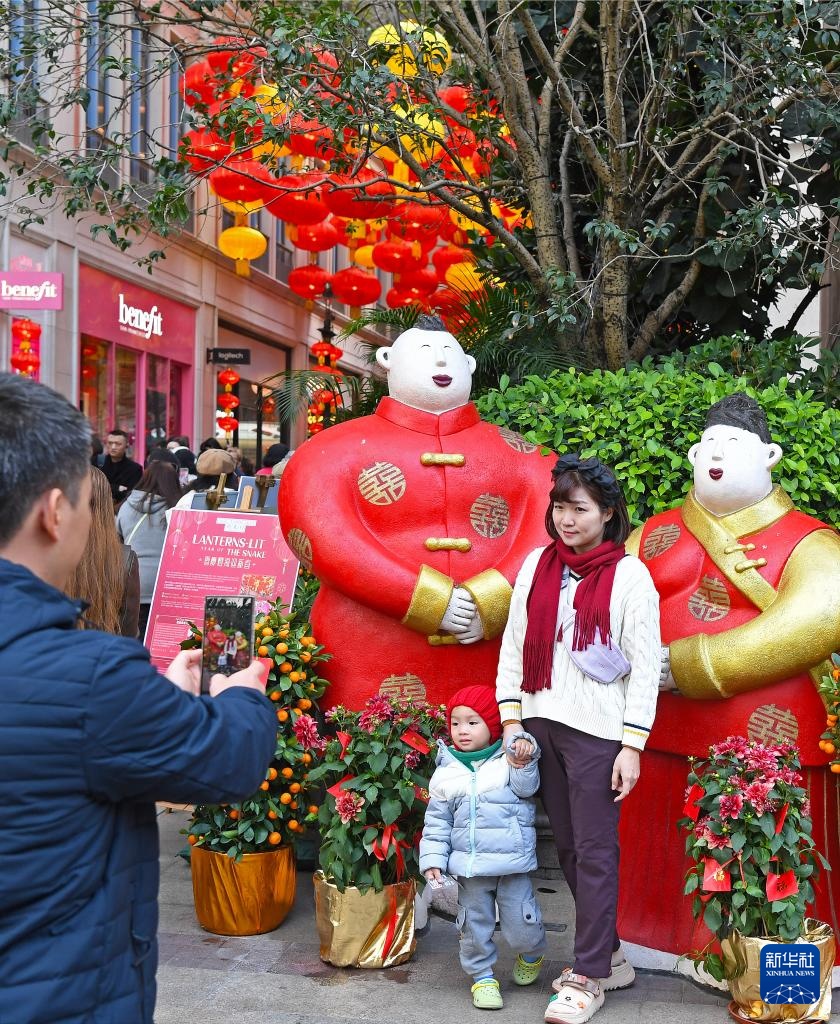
point(117, 433)
point(739, 410)
point(44, 443)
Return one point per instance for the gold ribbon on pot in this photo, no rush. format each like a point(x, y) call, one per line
point(245, 897)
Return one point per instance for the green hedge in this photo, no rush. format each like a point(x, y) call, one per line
point(642, 422)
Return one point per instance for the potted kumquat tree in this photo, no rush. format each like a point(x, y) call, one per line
point(243, 854)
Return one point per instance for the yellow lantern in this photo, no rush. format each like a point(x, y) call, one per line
point(242, 244)
point(364, 256)
point(463, 278)
point(434, 51)
point(426, 133)
point(266, 98)
point(464, 223)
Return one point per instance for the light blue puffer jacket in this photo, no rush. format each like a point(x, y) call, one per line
point(481, 823)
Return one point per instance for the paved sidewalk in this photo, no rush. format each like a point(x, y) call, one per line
point(279, 978)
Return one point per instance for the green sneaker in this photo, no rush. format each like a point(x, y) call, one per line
point(525, 973)
point(486, 995)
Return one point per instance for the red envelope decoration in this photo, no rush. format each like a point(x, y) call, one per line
point(344, 739)
point(691, 809)
point(779, 887)
point(421, 794)
point(336, 789)
point(781, 814)
point(715, 876)
point(415, 741)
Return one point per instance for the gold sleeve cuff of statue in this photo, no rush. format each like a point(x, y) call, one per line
point(491, 593)
point(692, 669)
point(429, 600)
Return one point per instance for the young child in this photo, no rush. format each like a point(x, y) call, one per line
point(480, 828)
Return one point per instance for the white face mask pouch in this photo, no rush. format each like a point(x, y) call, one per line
point(603, 663)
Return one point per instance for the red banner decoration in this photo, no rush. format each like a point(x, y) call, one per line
point(379, 848)
point(336, 789)
point(781, 814)
point(779, 887)
point(691, 809)
point(715, 876)
point(344, 739)
point(415, 741)
point(392, 925)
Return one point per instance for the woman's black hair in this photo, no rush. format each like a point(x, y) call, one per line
point(159, 480)
point(600, 483)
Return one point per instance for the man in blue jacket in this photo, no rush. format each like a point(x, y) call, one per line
point(90, 736)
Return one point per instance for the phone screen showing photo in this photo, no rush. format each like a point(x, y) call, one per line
point(228, 637)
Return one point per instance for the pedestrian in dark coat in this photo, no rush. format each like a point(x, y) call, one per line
point(91, 735)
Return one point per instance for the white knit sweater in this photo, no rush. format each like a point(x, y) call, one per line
point(623, 710)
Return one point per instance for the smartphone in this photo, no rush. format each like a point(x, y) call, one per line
point(228, 643)
point(445, 882)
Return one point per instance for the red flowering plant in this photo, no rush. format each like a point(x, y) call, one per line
point(377, 769)
point(748, 825)
point(830, 690)
point(276, 812)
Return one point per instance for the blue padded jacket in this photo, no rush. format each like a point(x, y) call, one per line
point(90, 736)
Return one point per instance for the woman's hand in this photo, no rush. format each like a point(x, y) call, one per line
point(625, 772)
point(522, 748)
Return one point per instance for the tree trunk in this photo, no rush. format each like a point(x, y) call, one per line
point(614, 284)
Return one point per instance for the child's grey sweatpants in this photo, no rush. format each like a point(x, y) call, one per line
point(519, 918)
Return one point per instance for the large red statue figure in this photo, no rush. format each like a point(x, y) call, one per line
point(416, 520)
point(750, 607)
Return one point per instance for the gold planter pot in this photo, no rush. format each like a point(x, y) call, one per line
point(374, 929)
point(246, 897)
point(742, 964)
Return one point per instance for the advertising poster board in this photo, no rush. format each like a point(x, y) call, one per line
point(225, 553)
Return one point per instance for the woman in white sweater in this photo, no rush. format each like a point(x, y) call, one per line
point(579, 669)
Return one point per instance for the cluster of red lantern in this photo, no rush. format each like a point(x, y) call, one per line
point(26, 336)
point(227, 401)
point(324, 402)
point(384, 226)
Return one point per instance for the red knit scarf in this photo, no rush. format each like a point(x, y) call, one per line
point(592, 606)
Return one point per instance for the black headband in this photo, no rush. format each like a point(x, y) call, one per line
point(593, 471)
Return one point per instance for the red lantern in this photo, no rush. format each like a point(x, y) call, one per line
point(228, 47)
point(418, 282)
point(417, 221)
point(397, 298)
point(397, 256)
point(311, 138)
point(243, 181)
point(297, 199)
point(199, 84)
point(316, 237)
point(228, 423)
point(458, 97)
point(229, 377)
point(321, 351)
point(447, 257)
point(309, 282)
point(356, 287)
point(363, 196)
point(26, 334)
point(269, 407)
point(204, 150)
point(227, 401)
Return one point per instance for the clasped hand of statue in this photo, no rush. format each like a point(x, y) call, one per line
point(461, 617)
point(666, 679)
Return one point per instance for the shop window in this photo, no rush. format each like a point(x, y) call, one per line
point(174, 422)
point(284, 254)
point(139, 107)
point(30, 110)
point(103, 92)
point(157, 393)
point(125, 392)
point(94, 388)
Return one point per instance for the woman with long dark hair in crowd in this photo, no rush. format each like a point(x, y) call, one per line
point(141, 521)
point(579, 670)
point(108, 576)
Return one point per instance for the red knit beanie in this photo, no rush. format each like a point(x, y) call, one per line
point(482, 699)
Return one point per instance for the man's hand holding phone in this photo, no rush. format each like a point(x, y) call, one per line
point(253, 677)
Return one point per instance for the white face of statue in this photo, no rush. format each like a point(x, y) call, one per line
point(427, 370)
point(731, 468)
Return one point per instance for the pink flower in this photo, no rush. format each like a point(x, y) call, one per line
point(731, 805)
point(736, 745)
point(806, 808)
point(348, 805)
point(701, 829)
point(760, 759)
point(757, 793)
point(789, 776)
point(716, 842)
point(368, 721)
point(306, 732)
point(380, 706)
point(412, 759)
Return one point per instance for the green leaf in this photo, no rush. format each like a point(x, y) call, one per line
point(391, 810)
